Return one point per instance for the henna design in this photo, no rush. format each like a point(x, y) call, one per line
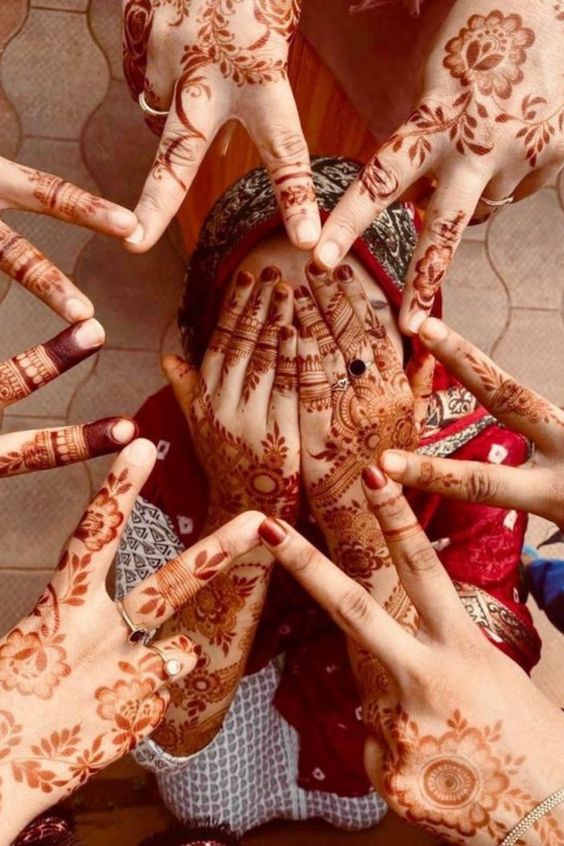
point(430, 271)
point(60, 197)
point(377, 181)
point(428, 476)
point(297, 195)
point(313, 388)
point(449, 405)
point(286, 378)
point(138, 18)
point(511, 398)
point(559, 9)
point(24, 263)
point(229, 314)
point(458, 780)
point(263, 359)
point(177, 584)
point(312, 324)
point(100, 523)
point(536, 132)
point(355, 551)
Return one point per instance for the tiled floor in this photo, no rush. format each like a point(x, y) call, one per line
point(68, 111)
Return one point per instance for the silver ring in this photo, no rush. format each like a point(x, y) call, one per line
point(149, 109)
point(340, 384)
point(137, 632)
point(171, 666)
point(496, 204)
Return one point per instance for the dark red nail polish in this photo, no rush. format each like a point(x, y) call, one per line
point(316, 269)
point(272, 532)
point(344, 273)
point(244, 279)
point(270, 274)
point(301, 292)
point(373, 478)
point(281, 294)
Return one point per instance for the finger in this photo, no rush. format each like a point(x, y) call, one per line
point(311, 323)
point(276, 130)
point(27, 372)
point(238, 294)
point(184, 381)
point(471, 481)
point(94, 542)
point(382, 181)
point(188, 132)
point(448, 215)
point(420, 373)
point(421, 573)
point(283, 401)
point(23, 262)
point(349, 604)
point(314, 396)
point(42, 449)
point(517, 407)
point(157, 598)
point(261, 369)
point(174, 658)
point(35, 191)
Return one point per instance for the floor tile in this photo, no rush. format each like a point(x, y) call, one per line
point(105, 22)
point(52, 97)
point(531, 350)
point(9, 128)
point(136, 296)
point(476, 233)
point(18, 593)
point(64, 5)
point(524, 251)
point(118, 147)
point(61, 242)
point(475, 301)
point(11, 19)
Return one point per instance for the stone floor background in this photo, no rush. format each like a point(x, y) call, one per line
point(68, 111)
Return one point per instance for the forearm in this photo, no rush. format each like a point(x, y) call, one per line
point(221, 622)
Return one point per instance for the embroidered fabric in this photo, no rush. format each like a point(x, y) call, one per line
point(263, 784)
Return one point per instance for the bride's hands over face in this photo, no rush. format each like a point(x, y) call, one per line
point(76, 693)
point(31, 190)
point(42, 449)
point(210, 61)
point(461, 742)
point(242, 406)
point(490, 122)
point(538, 485)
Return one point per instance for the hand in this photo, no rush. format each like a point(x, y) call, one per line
point(31, 190)
point(538, 485)
point(242, 407)
point(461, 742)
point(42, 449)
point(211, 61)
point(346, 421)
point(75, 692)
point(490, 123)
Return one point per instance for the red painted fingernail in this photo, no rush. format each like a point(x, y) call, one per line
point(315, 269)
point(244, 279)
point(270, 274)
point(281, 294)
point(272, 532)
point(301, 292)
point(373, 478)
point(344, 273)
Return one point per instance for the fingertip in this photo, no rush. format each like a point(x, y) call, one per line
point(141, 452)
point(373, 478)
point(411, 321)
point(124, 430)
point(304, 233)
point(433, 330)
point(393, 463)
point(328, 254)
point(271, 532)
point(90, 334)
point(75, 310)
point(123, 221)
point(134, 242)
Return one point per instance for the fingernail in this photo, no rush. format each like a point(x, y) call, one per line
point(416, 320)
point(301, 292)
point(272, 532)
point(281, 294)
point(393, 462)
point(123, 431)
point(434, 330)
point(136, 236)
point(122, 219)
point(307, 232)
point(244, 279)
point(329, 253)
point(90, 334)
point(316, 269)
point(344, 273)
point(140, 451)
point(373, 478)
point(76, 309)
point(270, 274)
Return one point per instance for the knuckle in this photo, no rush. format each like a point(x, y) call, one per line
point(354, 608)
point(420, 560)
point(480, 484)
point(286, 146)
point(306, 558)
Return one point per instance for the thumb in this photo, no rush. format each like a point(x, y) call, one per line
point(184, 380)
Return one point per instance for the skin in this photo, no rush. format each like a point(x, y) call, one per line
point(489, 123)
point(73, 655)
point(445, 749)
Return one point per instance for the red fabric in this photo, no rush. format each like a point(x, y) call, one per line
point(317, 693)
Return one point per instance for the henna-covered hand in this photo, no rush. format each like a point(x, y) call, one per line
point(242, 409)
point(447, 749)
point(210, 61)
point(76, 692)
point(490, 123)
point(538, 485)
point(42, 449)
point(31, 190)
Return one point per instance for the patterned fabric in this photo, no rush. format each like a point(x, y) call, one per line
point(194, 833)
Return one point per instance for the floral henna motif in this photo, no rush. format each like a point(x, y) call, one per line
point(355, 552)
point(132, 705)
point(103, 517)
point(430, 271)
point(428, 476)
point(377, 181)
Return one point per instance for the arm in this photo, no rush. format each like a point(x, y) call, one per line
point(242, 411)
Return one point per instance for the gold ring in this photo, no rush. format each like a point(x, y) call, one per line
point(149, 109)
point(137, 633)
point(172, 666)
